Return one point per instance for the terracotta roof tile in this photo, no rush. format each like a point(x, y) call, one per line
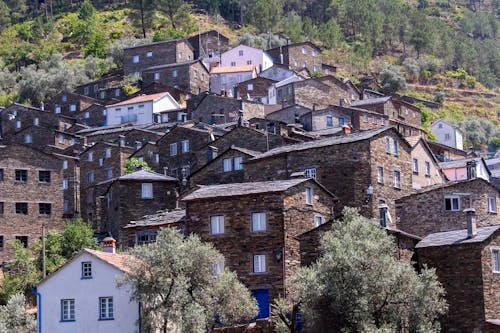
point(232, 69)
point(140, 99)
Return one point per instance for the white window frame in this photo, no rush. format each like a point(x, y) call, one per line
point(156, 76)
point(86, 269)
point(174, 72)
point(147, 191)
point(395, 147)
point(90, 156)
point(238, 163)
point(18, 124)
point(218, 267)
point(135, 60)
point(309, 195)
point(72, 107)
point(68, 309)
point(318, 220)
point(36, 121)
point(107, 153)
point(185, 146)
point(259, 263)
point(495, 259)
point(28, 138)
point(259, 221)
point(173, 149)
point(65, 164)
point(397, 179)
point(217, 224)
point(250, 86)
point(227, 164)
point(380, 174)
point(427, 168)
point(452, 198)
point(65, 184)
point(415, 165)
point(106, 311)
point(388, 145)
point(90, 177)
point(149, 54)
point(310, 173)
point(492, 205)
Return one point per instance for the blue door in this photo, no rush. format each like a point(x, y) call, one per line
point(262, 297)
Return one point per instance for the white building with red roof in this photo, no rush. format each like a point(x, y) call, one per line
point(141, 109)
point(82, 296)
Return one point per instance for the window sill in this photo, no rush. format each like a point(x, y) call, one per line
point(86, 278)
point(106, 319)
point(44, 183)
point(258, 273)
point(397, 188)
point(415, 172)
point(428, 176)
point(493, 213)
point(67, 321)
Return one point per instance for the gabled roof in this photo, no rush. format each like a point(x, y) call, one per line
point(463, 163)
point(175, 64)
point(371, 101)
point(160, 218)
point(162, 42)
point(457, 237)
point(144, 175)
point(232, 69)
point(141, 99)
point(358, 136)
point(239, 189)
point(295, 45)
point(445, 122)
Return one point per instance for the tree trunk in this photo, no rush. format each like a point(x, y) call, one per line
point(142, 19)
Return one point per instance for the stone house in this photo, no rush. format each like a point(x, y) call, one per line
point(441, 207)
point(368, 169)
point(227, 167)
point(140, 110)
point(43, 138)
point(31, 196)
point(257, 89)
point(99, 162)
point(426, 169)
point(106, 89)
point(254, 226)
point(277, 73)
point(190, 76)
point(138, 58)
point(144, 230)
point(225, 80)
point(466, 168)
point(130, 197)
point(70, 184)
point(131, 134)
point(347, 88)
point(467, 263)
point(208, 46)
point(149, 154)
point(324, 119)
point(445, 153)
point(289, 114)
point(298, 56)
point(243, 55)
point(448, 134)
point(94, 116)
point(213, 109)
point(70, 104)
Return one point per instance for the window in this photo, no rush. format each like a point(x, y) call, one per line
point(309, 195)
point(157, 158)
point(67, 310)
point(72, 107)
point(90, 157)
point(238, 163)
point(380, 174)
point(365, 118)
point(1, 208)
point(1, 242)
point(174, 72)
point(258, 222)
point(86, 90)
point(65, 164)
point(180, 54)
point(65, 184)
point(233, 64)
point(86, 270)
point(57, 109)
point(86, 115)
point(427, 168)
point(382, 121)
point(318, 220)
point(90, 177)
point(250, 87)
point(329, 121)
point(304, 50)
point(102, 95)
point(249, 62)
point(218, 267)
point(101, 162)
point(415, 165)
point(173, 149)
point(107, 153)
point(61, 138)
point(106, 308)
point(22, 175)
point(185, 146)
point(72, 141)
point(259, 263)
point(388, 145)
point(452, 203)
point(310, 173)
point(495, 253)
point(440, 125)
point(44, 208)
point(44, 176)
point(492, 205)
point(22, 208)
point(240, 53)
point(23, 240)
point(117, 92)
point(135, 59)
point(216, 224)
point(1, 175)
point(395, 147)
point(27, 138)
point(374, 120)
point(147, 191)
point(109, 173)
point(446, 136)
point(36, 121)
point(397, 179)
point(341, 122)
point(149, 54)
point(66, 206)
point(145, 237)
point(227, 164)
point(156, 76)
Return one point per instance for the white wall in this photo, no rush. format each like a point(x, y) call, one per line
point(67, 284)
point(455, 137)
point(144, 114)
point(166, 103)
point(228, 81)
point(258, 57)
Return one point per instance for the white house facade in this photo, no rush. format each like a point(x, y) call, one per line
point(140, 110)
point(225, 79)
point(243, 55)
point(447, 134)
point(82, 296)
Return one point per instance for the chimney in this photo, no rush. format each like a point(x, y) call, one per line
point(121, 141)
point(471, 222)
point(138, 145)
point(109, 245)
point(471, 170)
point(281, 54)
point(165, 171)
point(346, 129)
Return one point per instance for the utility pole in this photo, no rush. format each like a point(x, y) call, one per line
point(44, 270)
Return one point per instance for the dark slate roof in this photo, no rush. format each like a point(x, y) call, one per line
point(336, 140)
point(458, 163)
point(175, 64)
point(249, 152)
point(371, 101)
point(235, 189)
point(147, 175)
point(457, 237)
point(444, 185)
point(160, 218)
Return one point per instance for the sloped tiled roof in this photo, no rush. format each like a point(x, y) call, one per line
point(236, 189)
point(119, 261)
point(147, 175)
point(160, 218)
point(140, 99)
point(457, 237)
point(232, 69)
point(371, 101)
point(458, 163)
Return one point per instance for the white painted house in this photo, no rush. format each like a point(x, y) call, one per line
point(141, 109)
point(447, 134)
point(225, 79)
point(243, 55)
point(82, 296)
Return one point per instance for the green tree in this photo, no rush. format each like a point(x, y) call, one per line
point(133, 164)
point(358, 284)
point(177, 11)
point(176, 285)
point(265, 14)
point(478, 131)
point(77, 235)
point(53, 252)
point(14, 317)
point(330, 34)
point(4, 16)
point(392, 80)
